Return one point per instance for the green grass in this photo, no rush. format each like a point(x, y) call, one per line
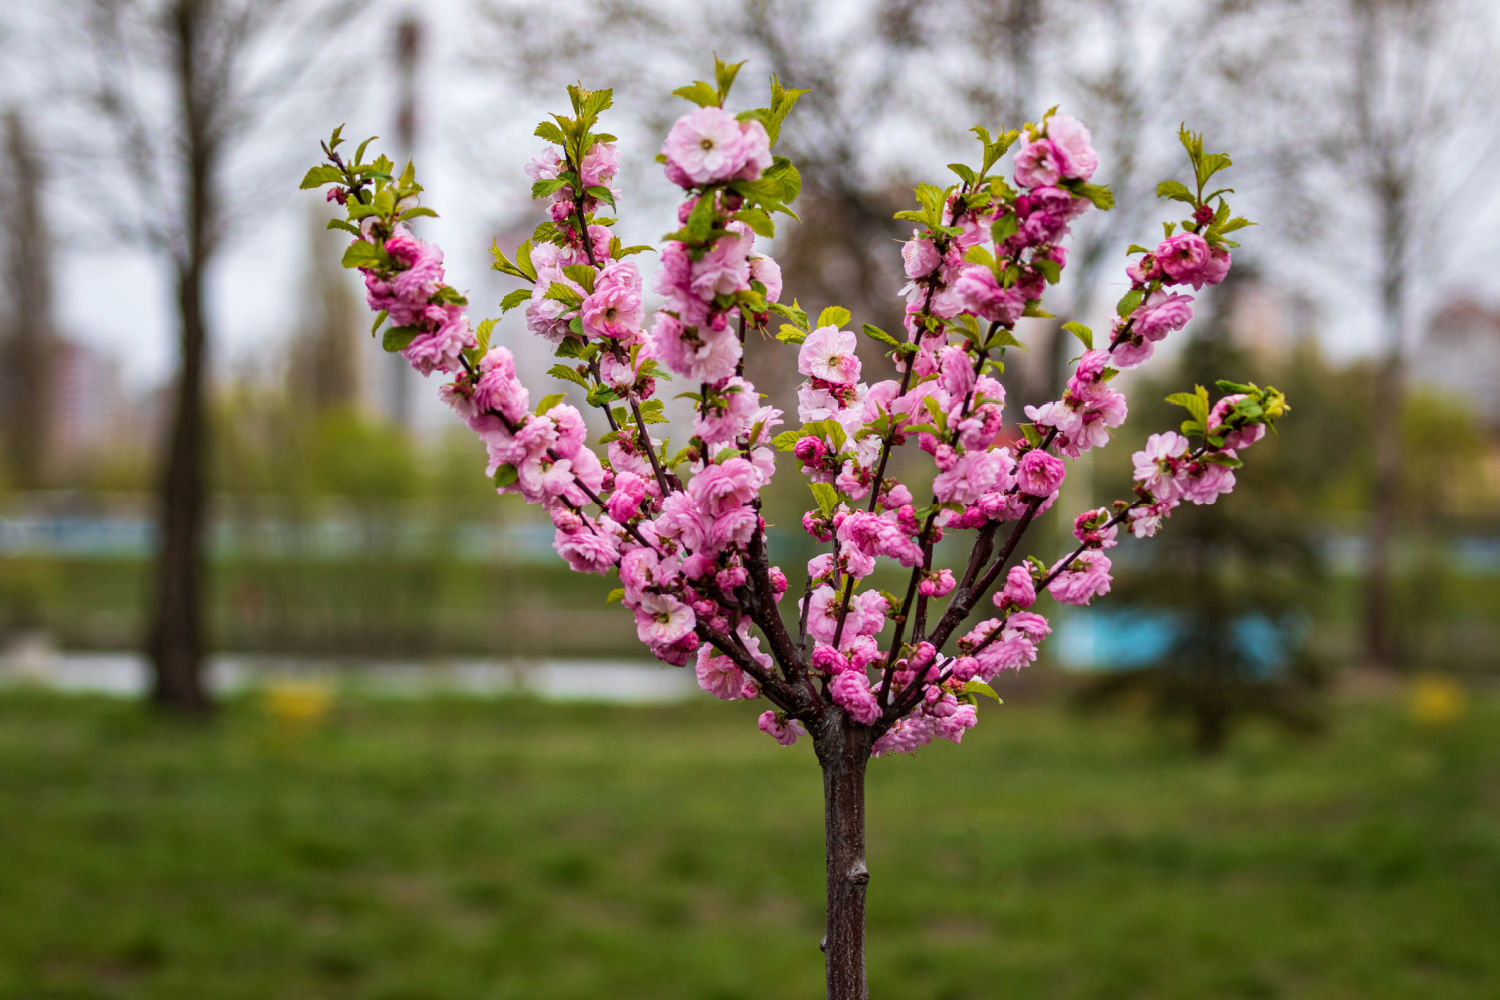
point(510, 849)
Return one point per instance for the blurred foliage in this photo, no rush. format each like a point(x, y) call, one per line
point(1260, 556)
point(1217, 577)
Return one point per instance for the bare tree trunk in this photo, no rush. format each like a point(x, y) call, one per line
point(27, 378)
point(176, 642)
point(1380, 638)
point(843, 749)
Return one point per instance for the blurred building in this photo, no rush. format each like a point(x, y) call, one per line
point(93, 412)
point(1460, 354)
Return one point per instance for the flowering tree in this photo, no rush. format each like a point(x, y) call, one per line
point(863, 672)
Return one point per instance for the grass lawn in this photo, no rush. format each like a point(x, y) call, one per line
point(509, 849)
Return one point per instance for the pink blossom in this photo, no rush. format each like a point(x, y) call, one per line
point(783, 730)
point(614, 308)
point(498, 389)
point(828, 354)
point(719, 488)
point(625, 501)
point(1038, 164)
point(720, 677)
point(1156, 465)
point(709, 146)
point(600, 164)
point(696, 353)
point(937, 584)
point(970, 476)
point(1084, 579)
point(727, 414)
point(1204, 482)
point(725, 268)
point(850, 690)
point(661, 619)
point(980, 293)
point(766, 271)
point(1072, 146)
point(1039, 474)
point(1188, 258)
point(1234, 440)
point(1090, 528)
point(1019, 591)
point(1162, 313)
point(587, 549)
point(919, 257)
point(1145, 521)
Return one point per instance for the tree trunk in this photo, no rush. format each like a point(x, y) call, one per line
point(1381, 640)
point(843, 749)
point(176, 640)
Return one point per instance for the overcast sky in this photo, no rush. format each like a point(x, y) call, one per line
point(119, 300)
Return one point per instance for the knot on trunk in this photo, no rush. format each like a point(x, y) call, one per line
point(857, 874)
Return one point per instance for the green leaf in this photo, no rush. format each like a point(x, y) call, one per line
point(833, 316)
point(1177, 191)
point(759, 222)
point(549, 132)
point(420, 210)
point(601, 193)
point(964, 171)
point(1210, 164)
point(515, 298)
point(1004, 227)
point(1129, 301)
point(789, 334)
point(787, 440)
point(724, 74)
point(700, 93)
point(398, 337)
point(826, 497)
point(505, 476)
point(568, 374)
point(482, 335)
point(701, 220)
point(380, 318)
point(1033, 436)
point(1083, 333)
point(320, 175)
point(583, 274)
point(602, 395)
point(1102, 197)
point(1196, 403)
point(362, 254)
point(549, 401)
point(559, 292)
point(979, 687)
point(792, 312)
point(615, 596)
point(876, 333)
point(547, 186)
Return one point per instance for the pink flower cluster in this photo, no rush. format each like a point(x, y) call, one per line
point(1183, 259)
point(711, 146)
point(410, 292)
point(598, 169)
point(685, 533)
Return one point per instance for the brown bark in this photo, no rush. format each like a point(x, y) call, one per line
point(26, 368)
point(843, 749)
point(1385, 415)
point(176, 641)
point(175, 644)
